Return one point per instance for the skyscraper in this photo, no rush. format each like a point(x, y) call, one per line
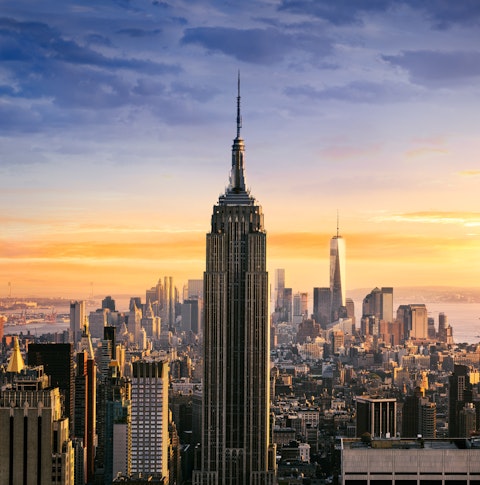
point(337, 277)
point(36, 447)
point(59, 363)
point(77, 320)
point(150, 418)
point(235, 409)
point(321, 306)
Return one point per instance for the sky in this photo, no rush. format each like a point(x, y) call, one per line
point(117, 120)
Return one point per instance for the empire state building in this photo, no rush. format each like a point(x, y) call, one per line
point(236, 446)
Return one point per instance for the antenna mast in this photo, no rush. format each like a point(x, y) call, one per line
point(239, 117)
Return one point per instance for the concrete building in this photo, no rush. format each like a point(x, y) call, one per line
point(36, 447)
point(406, 461)
point(77, 320)
point(150, 440)
point(376, 416)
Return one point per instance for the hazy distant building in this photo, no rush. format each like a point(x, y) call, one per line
point(321, 306)
point(414, 319)
point(279, 290)
point(191, 315)
point(108, 302)
point(195, 289)
point(77, 319)
point(97, 321)
point(288, 305)
point(300, 307)
point(337, 278)
point(379, 303)
point(150, 322)
point(419, 322)
point(236, 384)
point(442, 327)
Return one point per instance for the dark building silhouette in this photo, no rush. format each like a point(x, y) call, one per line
point(459, 395)
point(321, 306)
point(108, 302)
point(58, 363)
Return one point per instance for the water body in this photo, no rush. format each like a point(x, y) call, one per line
point(463, 317)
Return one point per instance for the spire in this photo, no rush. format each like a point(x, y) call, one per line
point(338, 223)
point(86, 342)
point(16, 363)
point(237, 175)
point(239, 116)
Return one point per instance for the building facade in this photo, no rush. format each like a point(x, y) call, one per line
point(337, 277)
point(149, 420)
point(235, 410)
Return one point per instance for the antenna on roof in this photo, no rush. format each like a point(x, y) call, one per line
point(239, 117)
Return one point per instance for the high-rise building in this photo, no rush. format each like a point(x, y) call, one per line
point(85, 402)
point(376, 416)
point(321, 306)
point(150, 440)
point(236, 386)
point(279, 289)
point(59, 363)
point(77, 319)
point(97, 321)
point(195, 289)
point(459, 395)
point(108, 302)
point(442, 327)
point(36, 447)
point(414, 321)
point(337, 277)
point(379, 303)
point(300, 307)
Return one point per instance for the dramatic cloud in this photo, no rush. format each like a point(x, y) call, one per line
point(438, 68)
point(355, 92)
point(338, 12)
point(256, 46)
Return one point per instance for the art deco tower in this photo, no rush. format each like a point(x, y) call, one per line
point(337, 277)
point(235, 410)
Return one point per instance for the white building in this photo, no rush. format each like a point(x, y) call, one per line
point(150, 439)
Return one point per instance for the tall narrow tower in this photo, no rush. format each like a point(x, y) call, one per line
point(235, 410)
point(337, 276)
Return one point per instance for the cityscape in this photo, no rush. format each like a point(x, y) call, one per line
point(325, 333)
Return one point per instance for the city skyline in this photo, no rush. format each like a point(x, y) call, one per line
point(113, 117)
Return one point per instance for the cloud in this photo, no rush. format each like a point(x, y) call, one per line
point(467, 219)
point(444, 14)
point(355, 92)
point(255, 46)
point(436, 68)
point(339, 12)
point(441, 14)
point(425, 152)
point(470, 173)
point(43, 64)
point(137, 32)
